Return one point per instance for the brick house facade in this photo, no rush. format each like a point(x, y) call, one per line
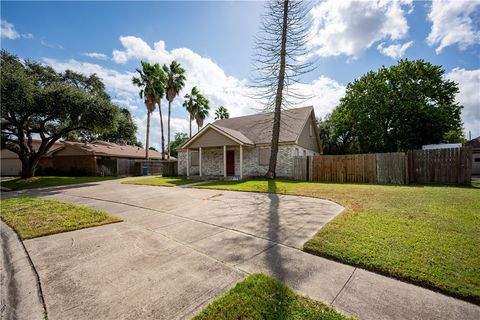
point(240, 147)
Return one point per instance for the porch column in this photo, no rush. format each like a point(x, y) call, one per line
point(200, 160)
point(241, 162)
point(224, 161)
point(188, 163)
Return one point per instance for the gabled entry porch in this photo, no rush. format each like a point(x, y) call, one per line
point(216, 152)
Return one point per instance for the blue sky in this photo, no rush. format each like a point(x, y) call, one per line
point(214, 41)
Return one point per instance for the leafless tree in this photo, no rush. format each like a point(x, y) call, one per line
point(280, 60)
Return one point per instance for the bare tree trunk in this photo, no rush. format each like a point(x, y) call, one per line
point(161, 129)
point(29, 165)
point(190, 127)
point(147, 143)
point(168, 138)
point(278, 98)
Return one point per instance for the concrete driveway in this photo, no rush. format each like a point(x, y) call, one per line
point(178, 249)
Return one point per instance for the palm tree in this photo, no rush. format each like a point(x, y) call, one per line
point(151, 88)
point(221, 113)
point(190, 105)
point(175, 83)
point(202, 108)
point(161, 80)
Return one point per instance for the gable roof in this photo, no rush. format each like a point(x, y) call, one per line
point(110, 149)
point(474, 143)
point(257, 128)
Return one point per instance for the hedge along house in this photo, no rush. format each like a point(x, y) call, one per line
point(240, 147)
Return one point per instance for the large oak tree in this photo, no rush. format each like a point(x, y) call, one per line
point(38, 102)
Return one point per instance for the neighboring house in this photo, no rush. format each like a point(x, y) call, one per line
point(12, 166)
point(475, 145)
point(441, 146)
point(240, 146)
point(84, 158)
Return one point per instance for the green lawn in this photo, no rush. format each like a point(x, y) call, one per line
point(161, 181)
point(35, 217)
point(262, 297)
point(48, 181)
point(428, 235)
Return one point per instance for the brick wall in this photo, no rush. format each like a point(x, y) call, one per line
point(212, 161)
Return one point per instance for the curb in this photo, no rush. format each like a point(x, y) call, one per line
point(20, 285)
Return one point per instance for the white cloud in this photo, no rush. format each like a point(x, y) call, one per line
point(118, 82)
point(350, 27)
point(469, 96)
point(202, 72)
point(453, 23)
point(8, 30)
point(95, 55)
point(50, 45)
point(325, 94)
point(394, 51)
point(210, 78)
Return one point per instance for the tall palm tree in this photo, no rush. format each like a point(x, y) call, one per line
point(202, 113)
point(190, 104)
point(151, 87)
point(221, 113)
point(175, 83)
point(161, 81)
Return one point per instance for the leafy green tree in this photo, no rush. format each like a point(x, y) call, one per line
point(179, 139)
point(174, 84)
point(221, 113)
point(124, 130)
point(398, 108)
point(38, 102)
point(151, 81)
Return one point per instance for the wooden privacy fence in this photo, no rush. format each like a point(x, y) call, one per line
point(131, 167)
point(440, 166)
point(416, 166)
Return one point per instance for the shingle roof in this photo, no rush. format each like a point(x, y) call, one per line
point(257, 128)
point(109, 149)
point(474, 143)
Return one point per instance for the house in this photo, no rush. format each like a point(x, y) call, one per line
point(92, 158)
point(12, 166)
point(240, 147)
point(475, 145)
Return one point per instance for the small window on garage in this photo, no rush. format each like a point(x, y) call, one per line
point(194, 158)
point(263, 156)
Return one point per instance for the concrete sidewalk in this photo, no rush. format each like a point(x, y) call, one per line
point(180, 248)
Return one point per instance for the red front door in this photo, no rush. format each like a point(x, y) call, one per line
point(230, 163)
